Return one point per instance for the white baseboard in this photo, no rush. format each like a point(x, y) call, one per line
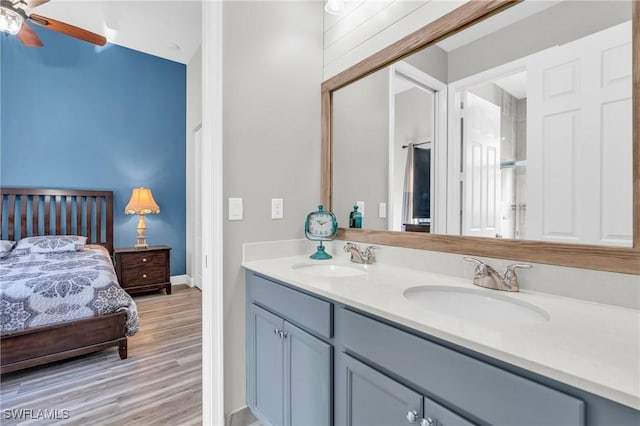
point(181, 279)
point(242, 417)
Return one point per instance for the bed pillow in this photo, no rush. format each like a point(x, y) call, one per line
point(50, 244)
point(5, 248)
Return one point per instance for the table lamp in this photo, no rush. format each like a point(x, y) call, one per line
point(141, 203)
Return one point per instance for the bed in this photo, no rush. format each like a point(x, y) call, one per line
point(60, 304)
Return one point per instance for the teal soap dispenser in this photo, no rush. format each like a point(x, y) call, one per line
point(355, 218)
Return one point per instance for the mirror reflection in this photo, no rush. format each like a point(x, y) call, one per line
point(518, 127)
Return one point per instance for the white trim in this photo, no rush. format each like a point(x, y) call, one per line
point(181, 279)
point(439, 153)
point(242, 417)
point(212, 218)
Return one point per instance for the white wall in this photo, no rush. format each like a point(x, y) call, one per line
point(272, 70)
point(367, 26)
point(194, 119)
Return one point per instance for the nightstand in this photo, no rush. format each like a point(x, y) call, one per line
point(143, 269)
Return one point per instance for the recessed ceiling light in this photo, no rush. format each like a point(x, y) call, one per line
point(173, 46)
point(334, 7)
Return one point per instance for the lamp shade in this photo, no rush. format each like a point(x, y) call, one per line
point(141, 202)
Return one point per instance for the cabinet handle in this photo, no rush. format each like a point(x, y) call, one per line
point(283, 334)
point(144, 259)
point(144, 275)
point(412, 416)
point(276, 331)
point(427, 422)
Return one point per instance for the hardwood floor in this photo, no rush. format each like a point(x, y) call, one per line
point(159, 383)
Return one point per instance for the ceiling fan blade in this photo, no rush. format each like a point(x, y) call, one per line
point(70, 30)
point(28, 37)
point(34, 3)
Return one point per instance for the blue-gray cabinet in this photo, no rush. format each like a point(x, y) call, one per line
point(475, 390)
point(289, 370)
point(373, 399)
point(386, 374)
point(267, 359)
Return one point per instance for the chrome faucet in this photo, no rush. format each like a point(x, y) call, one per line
point(485, 276)
point(366, 257)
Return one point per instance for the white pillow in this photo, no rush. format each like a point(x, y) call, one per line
point(51, 244)
point(5, 248)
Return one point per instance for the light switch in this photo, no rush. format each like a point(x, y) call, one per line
point(382, 209)
point(235, 208)
point(360, 205)
point(277, 208)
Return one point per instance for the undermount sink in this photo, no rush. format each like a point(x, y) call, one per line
point(330, 270)
point(476, 305)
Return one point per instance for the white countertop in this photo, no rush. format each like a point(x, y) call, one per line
point(591, 346)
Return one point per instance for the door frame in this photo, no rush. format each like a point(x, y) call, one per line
point(438, 153)
point(212, 217)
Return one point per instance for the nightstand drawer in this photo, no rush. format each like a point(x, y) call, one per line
point(143, 269)
point(144, 260)
point(143, 275)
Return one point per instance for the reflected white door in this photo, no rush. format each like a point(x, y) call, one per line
point(481, 167)
point(197, 207)
point(579, 140)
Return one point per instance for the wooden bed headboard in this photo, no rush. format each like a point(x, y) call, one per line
point(28, 212)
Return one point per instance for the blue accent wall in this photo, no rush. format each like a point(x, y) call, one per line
point(75, 115)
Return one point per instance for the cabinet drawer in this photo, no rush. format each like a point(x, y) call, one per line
point(307, 311)
point(144, 275)
point(465, 383)
point(144, 260)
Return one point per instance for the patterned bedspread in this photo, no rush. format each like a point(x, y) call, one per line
point(47, 288)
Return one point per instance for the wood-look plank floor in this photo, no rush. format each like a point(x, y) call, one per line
point(160, 383)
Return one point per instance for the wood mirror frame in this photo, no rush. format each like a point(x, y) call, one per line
point(604, 258)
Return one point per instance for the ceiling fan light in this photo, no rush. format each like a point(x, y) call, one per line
point(10, 21)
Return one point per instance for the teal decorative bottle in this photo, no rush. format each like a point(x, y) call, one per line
point(355, 218)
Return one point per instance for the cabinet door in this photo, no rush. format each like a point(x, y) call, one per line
point(436, 415)
point(307, 379)
point(265, 368)
point(369, 398)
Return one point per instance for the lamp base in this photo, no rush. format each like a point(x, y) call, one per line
point(141, 239)
point(141, 243)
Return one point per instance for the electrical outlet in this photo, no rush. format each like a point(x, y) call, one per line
point(360, 205)
point(382, 209)
point(277, 208)
point(235, 209)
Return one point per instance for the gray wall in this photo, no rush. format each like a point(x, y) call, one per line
point(413, 121)
point(272, 70)
point(433, 60)
point(361, 148)
point(540, 31)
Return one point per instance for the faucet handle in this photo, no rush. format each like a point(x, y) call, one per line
point(473, 259)
point(481, 269)
point(370, 255)
point(349, 245)
point(510, 273)
point(511, 268)
point(510, 277)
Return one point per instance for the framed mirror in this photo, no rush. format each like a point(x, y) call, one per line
point(503, 129)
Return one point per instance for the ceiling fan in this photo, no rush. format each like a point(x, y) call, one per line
point(14, 18)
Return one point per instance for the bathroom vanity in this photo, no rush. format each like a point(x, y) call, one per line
point(350, 347)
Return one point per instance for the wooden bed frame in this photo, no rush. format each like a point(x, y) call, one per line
point(27, 212)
